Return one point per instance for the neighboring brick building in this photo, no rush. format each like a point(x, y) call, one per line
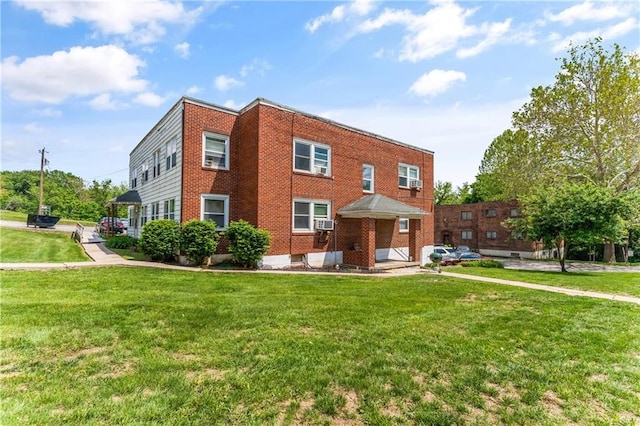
point(479, 226)
point(290, 173)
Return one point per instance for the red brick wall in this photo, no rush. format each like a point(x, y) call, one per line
point(262, 185)
point(448, 220)
point(197, 180)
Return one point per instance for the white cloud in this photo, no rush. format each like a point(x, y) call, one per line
point(612, 32)
point(81, 71)
point(182, 49)
point(103, 102)
point(340, 13)
point(49, 112)
point(439, 30)
point(193, 90)
point(223, 82)
point(436, 82)
point(149, 99)
point(587, 11)
point(142, 22)
point(233, 104)
point(33, 128)
point(260, 66)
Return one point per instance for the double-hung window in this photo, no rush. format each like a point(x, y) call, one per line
point(216, 209)
point(170, 209)
point(311, 157)
point(490, 213)
point(155, 211)
point(156, 163)
point(465, 215)
point(467, 235)
point(145, 172)
point(215, 151)
point(134, 178)
point(406, 174)
point(404, 224)
point(367, 178)
point(172, 148)
point(492, 235)
point(143, 215)
point(305, 212)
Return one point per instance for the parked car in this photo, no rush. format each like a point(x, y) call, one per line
point(125, 222)
point(450, 260)
point(463, 257)
point(444, 251)
point(462, 249)
point(106, 226)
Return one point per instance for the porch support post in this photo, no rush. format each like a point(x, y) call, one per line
point(415, 239)
point(368, 242)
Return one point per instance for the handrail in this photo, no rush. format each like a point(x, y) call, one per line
point(78, 233)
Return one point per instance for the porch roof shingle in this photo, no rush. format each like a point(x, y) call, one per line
point(378, 206)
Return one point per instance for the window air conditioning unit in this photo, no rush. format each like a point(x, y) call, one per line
point(324, 225)
point(415, 184)
point(321, 170)
point(208, 163)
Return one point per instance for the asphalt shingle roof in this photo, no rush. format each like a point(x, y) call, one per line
point(380, 207)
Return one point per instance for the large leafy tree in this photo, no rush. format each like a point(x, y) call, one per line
point(584, 128)
point(574, 213)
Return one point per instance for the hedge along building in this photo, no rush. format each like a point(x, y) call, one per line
point(327, 193)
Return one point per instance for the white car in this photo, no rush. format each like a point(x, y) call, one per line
point(444, 251)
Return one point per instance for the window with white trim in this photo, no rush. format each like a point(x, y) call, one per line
point(403, 224)
point(170, 209)
point(155, 211)
point(216, 209)
point(466, 235)
point(157, 159)
point(367, 178)
point(145, 172)
point(172, 148)
point(143, 215)
point(215, 151)
point(492, 235)
point(406, 174)
point(134, 178)
point(305, 212)
point(311, 157)
point(466, 215)
point(490, 213)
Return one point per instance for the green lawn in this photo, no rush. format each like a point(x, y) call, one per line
point(37, 245)
point(624, 283)
point(124, 345)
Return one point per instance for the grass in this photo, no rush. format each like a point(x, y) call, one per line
point(624, 283)
point(124, 345)
point(22, 217)
point(34, 245)
point(129, 254)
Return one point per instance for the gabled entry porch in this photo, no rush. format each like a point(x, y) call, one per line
point(372, 223)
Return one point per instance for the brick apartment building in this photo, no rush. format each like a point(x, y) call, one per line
point(328, 193)
point(479, 226)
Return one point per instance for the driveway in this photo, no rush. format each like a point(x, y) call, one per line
point(554, 266)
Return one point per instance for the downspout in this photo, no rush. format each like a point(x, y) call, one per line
point(182, 165)
point(293, 117)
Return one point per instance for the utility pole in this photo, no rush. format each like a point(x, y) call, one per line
point(42, 164)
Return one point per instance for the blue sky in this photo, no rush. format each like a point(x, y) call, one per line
point(88, 79)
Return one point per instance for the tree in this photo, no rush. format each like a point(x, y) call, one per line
point(585, 127)
point(444, 194)
point(576, 214)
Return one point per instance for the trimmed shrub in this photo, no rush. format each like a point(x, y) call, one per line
point(160, 239)
point(121, 242)
point(247, 244)
point(198, 240)
point(482, 264)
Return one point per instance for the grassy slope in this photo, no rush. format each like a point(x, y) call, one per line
point(626, 283)
point(32, 245)
point(124, 345)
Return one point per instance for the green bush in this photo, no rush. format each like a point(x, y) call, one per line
point(198, 240)
point(247, 244)
point(121, 242)
point(482, 264)
point(160, 239)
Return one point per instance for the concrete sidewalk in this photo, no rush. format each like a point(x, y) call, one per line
point(562, 290)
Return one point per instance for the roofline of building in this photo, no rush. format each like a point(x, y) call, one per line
point(267, 102)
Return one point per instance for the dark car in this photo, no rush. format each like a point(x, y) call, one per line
point(111, 226)
point(450, 260)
